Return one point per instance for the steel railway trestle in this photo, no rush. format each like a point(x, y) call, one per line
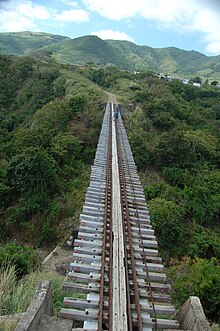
point(116, 268)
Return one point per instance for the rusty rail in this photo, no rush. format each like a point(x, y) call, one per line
point(92, 273)
point(123, 160)
point(130, 243)
point(105, 229)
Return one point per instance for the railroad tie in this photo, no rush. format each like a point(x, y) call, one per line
point(116, 274)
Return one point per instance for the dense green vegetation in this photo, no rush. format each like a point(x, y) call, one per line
point(91, 49)
point(174, 132)
point(50, 122)
point(200, 277)
point(22, 258)
point(50, 119)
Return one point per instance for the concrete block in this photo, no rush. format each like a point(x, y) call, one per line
point(48, 323)
point(41, 304)
point(191, 316)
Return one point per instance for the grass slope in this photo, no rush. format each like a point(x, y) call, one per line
point(19, 43)
point(87, 49)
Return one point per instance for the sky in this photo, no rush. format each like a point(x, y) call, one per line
point(186, 24)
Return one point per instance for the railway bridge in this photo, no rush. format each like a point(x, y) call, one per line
point(116, 268)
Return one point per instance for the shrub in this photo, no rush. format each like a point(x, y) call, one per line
point(167, 220)
point(204, 243)
point(32, 174)
point(23, 258)
point(203, 198)
point(198, 277)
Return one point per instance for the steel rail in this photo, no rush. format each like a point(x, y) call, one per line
point(126, 271)
point(115, 207)
point(105, 228)
point(125, 159)
point(127, 217)
point(129, 306)
point(145, 263)
point(111, 235)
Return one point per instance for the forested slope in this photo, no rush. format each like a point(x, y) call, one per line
point(174, 132)
point(50, 123)
point(50, 120)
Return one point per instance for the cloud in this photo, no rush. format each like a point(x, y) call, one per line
point(69, 3)
point(72, 15)
point(10, 22)
point(110, 34)
point(33, 11)
point(22, 15)
point(115, 9)
point(18, 15)
point(208, 24)
point(183, 16)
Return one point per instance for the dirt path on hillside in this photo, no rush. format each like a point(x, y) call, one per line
point(112, 98)
point(58, 260)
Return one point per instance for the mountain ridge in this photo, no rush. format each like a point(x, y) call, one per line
point(123, 54)
point(20, 43)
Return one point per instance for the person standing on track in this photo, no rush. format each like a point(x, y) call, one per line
point(116, 111)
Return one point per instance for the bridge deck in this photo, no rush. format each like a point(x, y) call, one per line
point(116, 268)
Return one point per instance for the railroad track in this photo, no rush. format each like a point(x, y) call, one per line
point(116, 268)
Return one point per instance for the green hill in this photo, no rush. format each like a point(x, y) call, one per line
point(19, 43)
point(87, 49)
point(168, 60)
point(124, 54)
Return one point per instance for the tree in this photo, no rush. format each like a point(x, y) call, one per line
point(140, 150)
point(67, 151)
point(32, 176)
point(174, 148)
point(198, 277)
point(203, 196)
point(77, 103)
point(204, 243)
point(204, 144)
point(39, 90)
point(214, 83)
point(196, 80)
point(167, 220)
